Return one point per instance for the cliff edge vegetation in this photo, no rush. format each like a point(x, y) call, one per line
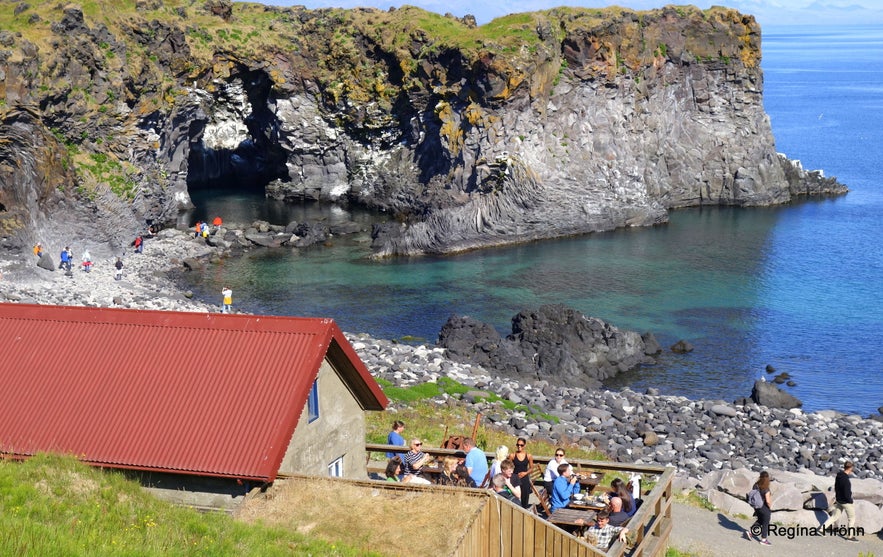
point(535, 125)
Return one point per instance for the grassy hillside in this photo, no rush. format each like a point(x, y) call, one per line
point(56, 506)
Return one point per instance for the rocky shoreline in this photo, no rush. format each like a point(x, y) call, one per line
point(698, 437)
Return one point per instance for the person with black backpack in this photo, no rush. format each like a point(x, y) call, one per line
point(762, 509)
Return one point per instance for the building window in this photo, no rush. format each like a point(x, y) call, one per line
point(335, 469)
point(313, 403)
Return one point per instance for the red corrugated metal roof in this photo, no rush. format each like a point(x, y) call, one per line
point(194, 393)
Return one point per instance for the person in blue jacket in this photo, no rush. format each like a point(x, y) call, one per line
point(565, 485)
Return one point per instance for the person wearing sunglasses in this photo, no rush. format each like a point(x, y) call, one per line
point(414, 461)
point(523, 461)
point(552, 469)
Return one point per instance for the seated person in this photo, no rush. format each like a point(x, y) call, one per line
point(414, 460)
point(463, 477)
point(552, 469)
point(601, 534)
point(507, 470)
point(448, 475)
point(618, 517)
point(498, 484)
point(565, 485)
point(501, 455)
point(393, 469)
point(618, 488)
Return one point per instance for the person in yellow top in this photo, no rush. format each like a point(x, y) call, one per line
point(228, 300)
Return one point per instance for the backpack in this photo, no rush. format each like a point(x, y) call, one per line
point(755, 499)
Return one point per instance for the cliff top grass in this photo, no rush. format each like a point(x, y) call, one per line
point(254, 30)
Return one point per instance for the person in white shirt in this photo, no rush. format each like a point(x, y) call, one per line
point(552, 469)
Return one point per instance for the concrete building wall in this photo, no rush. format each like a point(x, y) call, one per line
point(338, 433)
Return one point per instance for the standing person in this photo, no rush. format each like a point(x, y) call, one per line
point(119, 269)
point(476, 461)
point(552, 469)
point(843, 500)
point(87, 261)
point(66, 255)
point(761, 526)
point(523, 461)
point(139, 244)
point(197, 229)
point(395, 438)
point(228, 300)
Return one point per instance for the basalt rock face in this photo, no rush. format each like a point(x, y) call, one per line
point(553, 343)
point(534, 126)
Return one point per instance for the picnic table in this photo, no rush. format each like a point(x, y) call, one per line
point(587, 504)
point(590, 480)
point(568, 516)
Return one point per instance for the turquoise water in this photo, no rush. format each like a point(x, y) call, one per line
point(796, 287)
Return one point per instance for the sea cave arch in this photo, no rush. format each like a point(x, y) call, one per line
point(237, 147)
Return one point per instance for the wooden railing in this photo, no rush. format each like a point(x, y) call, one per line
point(502, 529)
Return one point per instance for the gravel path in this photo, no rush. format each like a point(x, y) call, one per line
point(713, 534)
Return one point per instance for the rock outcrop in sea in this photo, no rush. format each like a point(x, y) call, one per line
point(554, 343)
point(540, 125)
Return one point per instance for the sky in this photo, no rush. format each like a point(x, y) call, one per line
point(767, 12)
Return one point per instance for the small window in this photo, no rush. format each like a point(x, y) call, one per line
point(335, 469)
point(313, 403)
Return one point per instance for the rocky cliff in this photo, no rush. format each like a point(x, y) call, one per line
point(536, 125)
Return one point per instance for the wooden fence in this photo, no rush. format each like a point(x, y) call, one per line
point(503, 529)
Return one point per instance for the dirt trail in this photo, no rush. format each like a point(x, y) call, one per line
point(714, 534)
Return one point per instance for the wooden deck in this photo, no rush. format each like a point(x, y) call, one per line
point(502, 529)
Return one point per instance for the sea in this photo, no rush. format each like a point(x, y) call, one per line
point(795, 287)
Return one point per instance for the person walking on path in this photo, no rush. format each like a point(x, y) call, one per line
point(843, 500)
point(523, 461)
point(761, 527)
point(87, 261)
point(119, 269)
point(139, 244)
point(228, 300)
